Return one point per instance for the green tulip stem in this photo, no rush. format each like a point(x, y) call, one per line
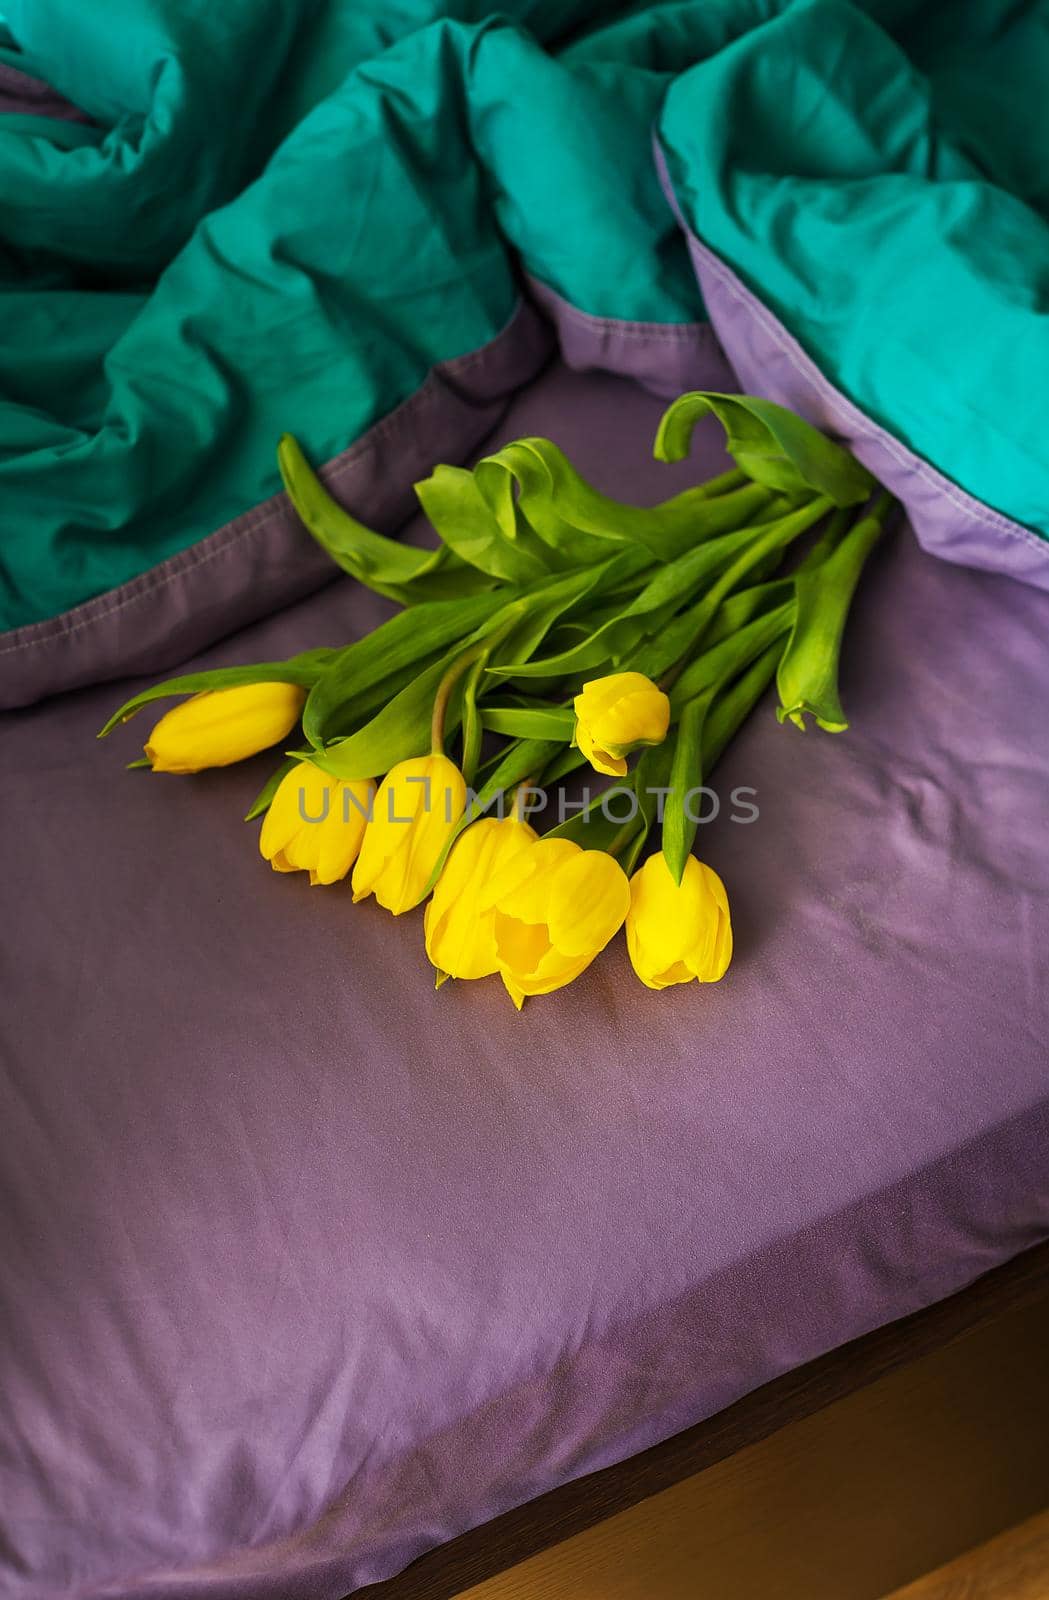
point(444, 692)
point(477, 653)
point(620, 840)
point(732, 707)
point(774, 537)
point(518, 797)
point(734, 478)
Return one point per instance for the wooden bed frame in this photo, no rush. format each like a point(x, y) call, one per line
point(519, 1535)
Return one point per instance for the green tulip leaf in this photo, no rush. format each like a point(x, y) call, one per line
point(768, 542)
point(651, 785)
point(655, 655)
point(473, 728)
point(384, 565)
point(523, 761)
point(264, 798)
point(606, 821)
point(398, 731)
point(720, 663)
point(401, 728)
point(529, 721)
point(554, 597)
point(686, 774)
point(665, 592)
point(532, 483)
point(375, 660)
point(772, 445)
point(734, 704)
point(568, 759)
point(807, 677)
point(466, 524)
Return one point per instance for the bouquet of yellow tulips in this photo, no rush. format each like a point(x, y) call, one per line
point(551, 628)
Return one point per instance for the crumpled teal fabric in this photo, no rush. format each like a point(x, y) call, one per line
point(284, 212)
point(888, 198)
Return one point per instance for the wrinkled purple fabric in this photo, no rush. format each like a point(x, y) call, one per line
point(23, 95)
point(306, 1267)
point(667, 357)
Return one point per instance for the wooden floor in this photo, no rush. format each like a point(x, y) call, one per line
point(851, 1503)
point(1015, 1566)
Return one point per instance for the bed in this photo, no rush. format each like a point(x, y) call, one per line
point(307, 1268)
point(310, 1268)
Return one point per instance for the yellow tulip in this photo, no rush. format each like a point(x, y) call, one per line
point(417, 808)
point(315, 823)
point(220, 726)
point(616, 714)
point(556, 907)
point(678, 932)
point(460, 919)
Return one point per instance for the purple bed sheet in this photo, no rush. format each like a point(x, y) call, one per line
point(307, 1268)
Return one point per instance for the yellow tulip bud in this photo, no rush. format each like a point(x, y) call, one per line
point(460, 918)
point(417, 808)
point(556, 907)
point(315, 823)
point(616, 714)
point(220, 726)
point(677, 932)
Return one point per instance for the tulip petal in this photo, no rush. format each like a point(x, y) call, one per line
point(639, 718)
point(341, 834)
point(553, 972)
point(315, 824)
point(517, 994)
point(418, 806)
point(678, 932)
point(520, 946)
point(616, 713)
point(220, 726)
point(601, 760)
point(524, 890)
point(460, 935)
point(279, 823)
point(604, 761)
point(589, 900)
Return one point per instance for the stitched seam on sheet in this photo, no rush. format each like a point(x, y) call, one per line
point(683, 332)
point(971, 506)
point(249, 522)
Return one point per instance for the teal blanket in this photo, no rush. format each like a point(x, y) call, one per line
point(280, 214)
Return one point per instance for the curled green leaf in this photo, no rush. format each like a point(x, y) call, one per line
point(466, 523)
point(772, 445)
point(531, 484)
point(384, 565)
